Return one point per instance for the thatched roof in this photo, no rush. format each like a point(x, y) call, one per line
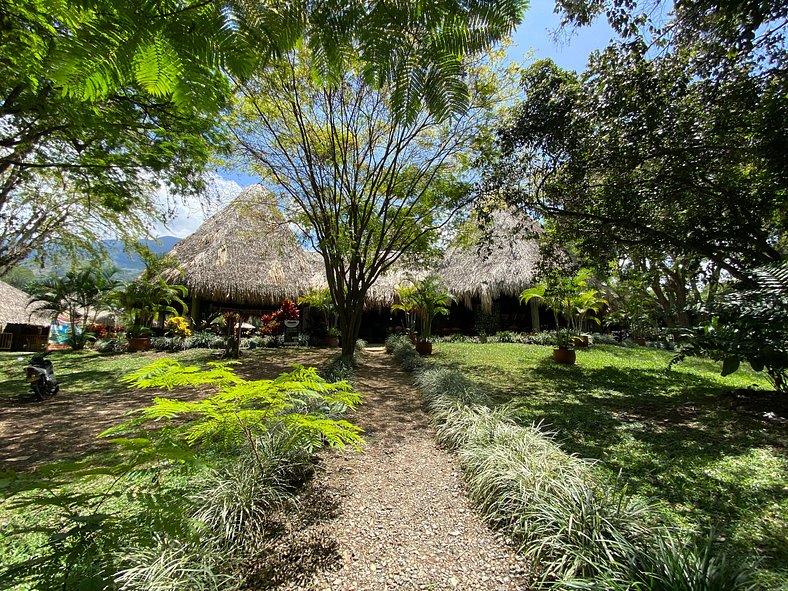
point(502, 261)
point(14, 308)
point(245, 254)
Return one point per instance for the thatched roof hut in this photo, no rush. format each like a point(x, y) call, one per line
point(14, 308)
point(501, 261)
point(245, 254)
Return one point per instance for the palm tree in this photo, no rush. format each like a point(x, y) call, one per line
point(80, 294)
point(427, 298)
point(149, 295)
point(570, 296)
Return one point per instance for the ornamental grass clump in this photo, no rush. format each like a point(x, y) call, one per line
point(551, 503)
point(577, 531)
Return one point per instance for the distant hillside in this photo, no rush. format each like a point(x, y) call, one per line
point(125, 261)
point(129, 265)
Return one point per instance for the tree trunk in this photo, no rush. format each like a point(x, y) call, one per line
point(534, 315)
point(350, 326)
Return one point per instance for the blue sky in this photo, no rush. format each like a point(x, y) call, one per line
point(534, 39)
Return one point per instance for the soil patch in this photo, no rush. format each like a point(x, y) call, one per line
point(33, 433)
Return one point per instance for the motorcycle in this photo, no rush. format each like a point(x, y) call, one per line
point(41, 376)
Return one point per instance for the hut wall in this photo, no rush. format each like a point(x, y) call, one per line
point(27, 337)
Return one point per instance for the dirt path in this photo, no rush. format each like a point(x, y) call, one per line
point(399, 519)
point(34, 432)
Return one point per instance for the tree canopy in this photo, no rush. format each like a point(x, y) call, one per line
point(101, 101)
point(364, 185)
point(671, 143)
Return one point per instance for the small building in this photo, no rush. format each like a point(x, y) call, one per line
point(21, 329)
point(245, 258)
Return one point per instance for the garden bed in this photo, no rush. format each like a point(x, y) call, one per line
point(668, 437)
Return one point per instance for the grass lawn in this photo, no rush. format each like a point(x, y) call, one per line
point(668, 437)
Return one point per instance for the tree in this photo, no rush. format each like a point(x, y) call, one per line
point(149, 296)
point(103, 100)
point(80, 294)
point(668, 143)
point(176, 48)
point(748, 323)
point(71, 171)
point(426, 297)
point(569, 295)
point(364, 186)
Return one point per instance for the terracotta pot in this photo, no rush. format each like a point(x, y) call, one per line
point(332, 342)
point(139, 344)
point(640, 341)
point(567, 356)
point(424, 348)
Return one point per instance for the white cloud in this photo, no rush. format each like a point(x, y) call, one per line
point(186, 215)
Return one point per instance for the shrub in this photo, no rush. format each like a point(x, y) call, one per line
point(178, 326)
point(173, 564)
point(111, 345)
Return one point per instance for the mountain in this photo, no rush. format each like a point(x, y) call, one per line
point(130, 264)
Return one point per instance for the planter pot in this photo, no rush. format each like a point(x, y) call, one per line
point(640, 341)
point(566, 356)
point(139, 344)
point(412, 337)
point(424, 348)
point(581, 341)
point(332, 342)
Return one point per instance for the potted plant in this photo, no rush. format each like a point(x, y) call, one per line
point(564, 351)
point(571, 297)
point(427, 298)
point(138, 337)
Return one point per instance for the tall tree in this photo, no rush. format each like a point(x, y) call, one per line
point(74, 171)
point(672, 140)
point(364, 185)
point(102, 100)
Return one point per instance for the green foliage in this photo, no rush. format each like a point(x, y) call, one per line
point(667, 145)
point(577, 529)
point(195, 490)
point(241, 409)
point(149, 295)
point(79, 294)
point(426, 297)
point(668, 437)
point(569, 295)
point(749, 323)
point(74, 171)
point(404, 352)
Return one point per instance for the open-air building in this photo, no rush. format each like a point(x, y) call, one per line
point(21, 329)
point(247, 258)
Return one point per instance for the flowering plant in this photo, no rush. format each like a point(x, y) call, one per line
point(178, 326)
point(273, 324)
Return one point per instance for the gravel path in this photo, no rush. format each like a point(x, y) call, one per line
point(398, 518)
